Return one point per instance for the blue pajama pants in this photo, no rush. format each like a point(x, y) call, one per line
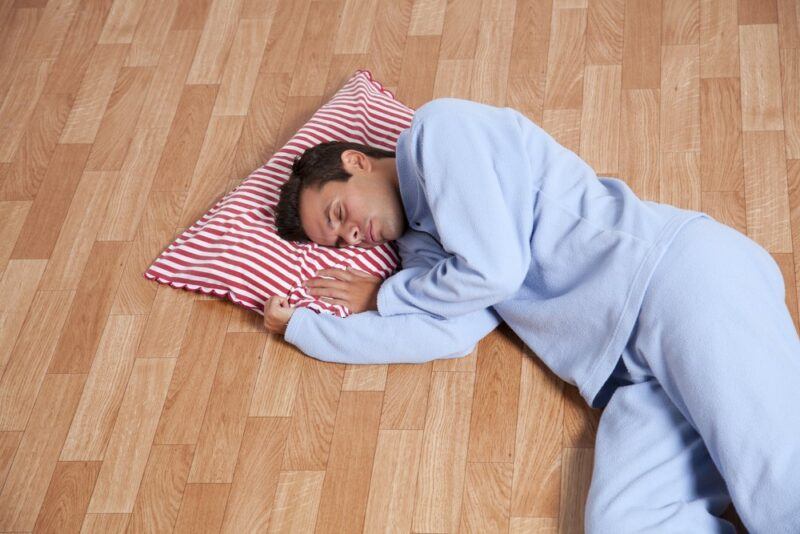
point(706, 408)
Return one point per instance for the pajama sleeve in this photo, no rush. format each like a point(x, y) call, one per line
point(369, 338)
point(475, 174)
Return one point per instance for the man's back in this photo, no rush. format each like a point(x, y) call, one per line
point(563, 256)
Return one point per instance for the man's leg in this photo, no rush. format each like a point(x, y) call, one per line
point(716, 333)
point(652, 472)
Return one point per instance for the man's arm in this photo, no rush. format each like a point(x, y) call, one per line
point(471, 160)
point(408, 338)
point(368, 338)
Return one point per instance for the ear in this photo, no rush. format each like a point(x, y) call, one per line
point(353, 159)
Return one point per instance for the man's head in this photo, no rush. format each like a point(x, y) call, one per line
point(337, 193)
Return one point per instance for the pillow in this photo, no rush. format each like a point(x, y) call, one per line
point(234, 252)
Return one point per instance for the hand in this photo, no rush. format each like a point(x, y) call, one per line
point(277, 313)
point(355, 289)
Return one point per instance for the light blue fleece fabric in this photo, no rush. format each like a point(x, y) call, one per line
point(523, 227)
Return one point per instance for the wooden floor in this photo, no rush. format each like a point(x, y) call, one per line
point(128, 406)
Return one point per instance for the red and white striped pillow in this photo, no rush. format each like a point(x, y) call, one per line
point(233, 251)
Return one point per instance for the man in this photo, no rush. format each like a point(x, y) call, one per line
point(673, 322)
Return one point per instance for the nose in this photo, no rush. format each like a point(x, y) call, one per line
point(353, 235)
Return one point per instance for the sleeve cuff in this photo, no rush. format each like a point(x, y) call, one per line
point(294, 327)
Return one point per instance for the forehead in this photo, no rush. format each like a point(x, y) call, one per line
point(313, 216)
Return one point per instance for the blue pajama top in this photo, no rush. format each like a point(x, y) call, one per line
point(505, 224)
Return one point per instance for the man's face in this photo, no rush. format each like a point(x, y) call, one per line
point(365, 211)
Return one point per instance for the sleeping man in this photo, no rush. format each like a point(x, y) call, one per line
point(673, 322)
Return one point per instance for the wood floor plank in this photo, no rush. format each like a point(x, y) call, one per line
point(533, 525)
point(151, 33)
point(212, 172)
point(296, 501)
point(364, 378)
point(19, 104)
point(156, 230)
point(640, 141)
point(215, 42)
point(25, 174)
point(12, 219)
point(527, 68)
point(39, 234)
point(88, 314)
point(115, 134)
point(604, 27)
point(343, 502)
point(191, 383)
point(67, 497)
point(487, 497)
point(680, 179)
point(565, 63)
point(122, 20)
point(721, 167)
point(389, 35)
point(719, 39)
point(579, 421)
point(437, 502)
point(25, 371)
point(241, 68)
point(318, 44)
point(494, 406)
point(680, 98)
point(18, 286)
point(308, 443)
point(490, 68)
point(202, 508)
point(105, 523)
point(277, 381)
point(164, 94)
point(762, 108)
point(354, 30)
point(641, 51)
point(564, 125)
point(160, 493)
point(758, 12)
point(9, 442)
point(95, 91)
point(19, 28)
point(600, 118)
point(166, 324)
point(104, 389)
point(73, 58)
point(766, 190)
point(537, 477)
point(728, 207)
point(577, 473)
point(393, 482)
point(185, 138)
point(226, 413)
point(459, 31)
point(49, 37)
point(129, 198)
point(789, 23)
point(790, 84)
point(37, 454)
point(427, 18)
point(79, 230)
point(793, 178)
point(255, 480)
point(130, 441)
point(260, 130)
point(418, 75)
point(680, 22)
point(406, 396)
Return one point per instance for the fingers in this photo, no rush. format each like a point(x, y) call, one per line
point(339, 274)
point(335, 301)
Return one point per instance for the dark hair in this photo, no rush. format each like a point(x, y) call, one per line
point(317, 166)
